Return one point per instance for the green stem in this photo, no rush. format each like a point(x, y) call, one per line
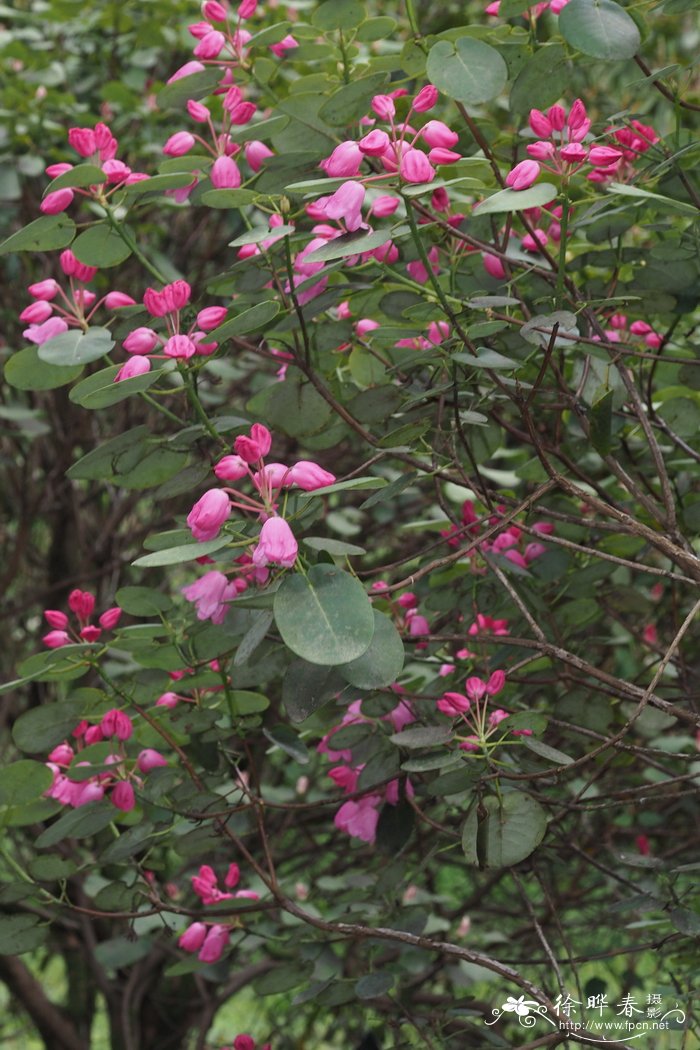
point(193, 398)
point(411, 12)
point(121, 231)
point(561, 269)
point(161, 408)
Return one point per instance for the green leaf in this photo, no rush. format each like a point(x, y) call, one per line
point(348, 244)
point(599, 28)
point(48, 868)
point(228, 198)
point(545, 751)
point(76, 347)
point(118, 952)
point(262, 233)
point(381, 664)
point(469, 837)
point(183, 552)
point(368, 482)
point(103, 461)
point(256, 317)
point(379, 28)
point(196, 86)
point(26, 371)
point(286, 739)
point(158, 184)
point(78, 823)
point(422, 736)
point(517, 200)
point(337, 548)
point(247, 703)
point(101, 246)
point(100, 389)
point(43, 235)
point(339, 14)
point(538, 330)
point(283, 978)
point(542, 79)
point(262, 621)
point(512, 829)
point(620, 189)
point(374, 985)
point(80, 175)
point(296, 407)
point(467, 70)
point(486, 358)
point(600, 421)
point(352, 101)
point(307, 687)
point(38, 730)
point(325, 617)
point(20, 933)
point(23, 781)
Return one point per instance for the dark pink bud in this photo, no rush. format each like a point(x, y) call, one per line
point(232, 876)
point(213, 11)
point(179, 144)
point(180, 346)
point(197, 111)
point(116, 723)
point(231, 468)
point(54, 170)
point(494, 267)
point(177, 295)
point(225, 174)
point(557, 117)
point(602, 156)
point(211, 317)
point(115, 300)
point(90, 633)
point(242, 114)
point(208, 514)
point(256, 153)
point(122, 796)
point(72, 267)
point(45, 290)
point(540, 124)
point(61, 755)
point(155, 303)
point(193, 937)
point(55, 202)
point(211, 45)
point(574, 153)
point(55, 639)
point(82, 603)
point(255, 446)
point(37, 312)
point(110, 618)
point(83, 141)
point(150, 759)
point(523, 175)
point(141, 340)
point(56, 619)
point(495, 683)
point(135, 366)
point(383, 106)
point(435, 133)
point(243, 1042)
point(94, 735)
point(246, 9)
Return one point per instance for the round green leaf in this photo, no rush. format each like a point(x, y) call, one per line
point(467, 70)
point(101, 246)
point(79, 823)
point(374, 985)
point(257, 316)
point(599, 28)
point(183, 552)
point(339, 14)
point(41, 728)
point(325, 617)
point(43, 235)
point(513, 828)
point(197, 85)
point(23, 781)
point(20, 933)
point(541, 81)
point(142, 601)
point(382, 662)
point(351, 101)
point(517, 200)
point(25, 371)
point(76, 347)
point(80, 175)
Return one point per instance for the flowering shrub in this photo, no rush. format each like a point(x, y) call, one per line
point(386, 417)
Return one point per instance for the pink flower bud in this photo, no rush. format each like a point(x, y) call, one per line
point(188, 70)
point(574, 153)
point(149, 759)
point(179, 144)
point(243, 1042)
point(375, 143)
point(179, 346)
point(55, 202)
point(115, 300)
point(135, 366)
point(435, 133)
point(523, 175)
point(90, 633)
point(344, 161)
point(155, 303)
point(577, 114)
point(383, 106)
point(211, 317)
point(232, 876)
point(198, 111)
point(168, 700)
point(425, 99)
point(55, 639)
point(176, 295)
point(57, 619)
point(495, 683)
point(193, 937)
point(384, 206)
point(93, 735)
point(309, 476)
point(61, 755)
point(140, 341)
point(276, 545)
point(475, 688)
point(211, 45)
point(540, 124)
point(116, 723)
point(602, 156)
point(284, 45)
point(214, 944)
point(256, 153)
point(37, 312)
point(122, 796)
point(346, 204)
point(208, 515)
point(247, 8)
point(225, 174)
point(255, 446)
point(83, 141)
point(87, 792)
point(45, 290)
point(41, 333)
point(242, 113)
point(231, 468)
point(110, 618)
point(494, 267)
point(54, 170)
point(532, 242)
point(438, 155)
point(72, 267)
point(199, 29)
point(540, 150)
point(213, 11)
point(414, 166)
point(82, 603)
point(557, 117)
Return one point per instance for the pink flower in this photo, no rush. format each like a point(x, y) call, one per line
point(150, 759)
point(493, 266)
point(225, 174)
point(231, 468)
point(214, 944)
point(255, 446)
point(135, 366)
point(383, 106)
point(116, 723)
point(179, 144)
point(36, 312)
point(179, 346)
point(47, 289)
point(359, 818)
point(243, 1042)
point(436, 133)
point(82, 603)
point(346, 204)
point(198, 111)
point(57, 619)
point(211, 594)
point(208, 514)
point(602, 156)
point(425, 99)
point(211, 45)
point(41, 333)
point(211, 317)
point(140, 341)
point(375, 143)
point(523, 175)
point(82, 140)
point(55, 639)
point(453, 704)
point(57, 201)
point(115, 300)
point(193, 937)
point(122, 796)
point(276, 545)
point(414, 166)
point(540, 124)
point(344, 161)
point(256, 153)
point(72, 267)
point(309, 476)
point(285, 44)
point(383, 206)
point(247, 8)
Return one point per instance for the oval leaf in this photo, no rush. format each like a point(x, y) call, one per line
point(514, 827)
point(77, 347)
point(517, 200)
point(25, 371)
point(467, 70)
point(600, 28)
point(324, 617)
point(381, 664)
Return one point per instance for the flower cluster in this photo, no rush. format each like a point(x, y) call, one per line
point(471, 708)
point(246, 1042)
point(73, 782)
point(359, 817)
point(510, 541)
point(82, 605)
point(56, 309)
point(537, 9)
point(96, 146)
point(209, 940)
point(168, 304)
point(620, 330)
